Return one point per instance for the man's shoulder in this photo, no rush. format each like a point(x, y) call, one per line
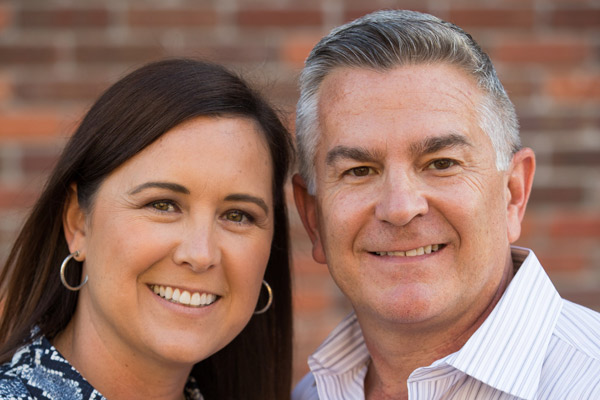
point(579, 328)
point(572, 363)
point(306, 389)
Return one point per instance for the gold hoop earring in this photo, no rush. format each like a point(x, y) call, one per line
point(269, 302)
point(63, 266)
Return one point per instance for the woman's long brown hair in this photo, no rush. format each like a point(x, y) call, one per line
point(128, 117)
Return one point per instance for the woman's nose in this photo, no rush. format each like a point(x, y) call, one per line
point(198, 248)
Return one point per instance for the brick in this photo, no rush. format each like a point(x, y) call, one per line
point(556, 195)
point(312, 301)
point(29, 125)
point(529, 228)
point(361, 8)
point(6, 89)
point(583, 157)
point(119, 53)
point(576, 225)
point(491, 18)
point(579, 86)
point(516, 87)
point(295, 49)
point(59, 90)
point(562, 262)
point(170, 17)
point(62, 17)
point(239, 53)
point(279, 18)
point(12, 54)
point(575, 18)
point(554, 123)
point(588, 298)
point(6, 17)
point(558, 51)
point(11, 198)
point(305, 265)
point(36, 161)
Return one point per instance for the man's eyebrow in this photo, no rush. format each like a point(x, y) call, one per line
point(349, 153)
point(436, 143)
point(160, 185)
point(249, 198)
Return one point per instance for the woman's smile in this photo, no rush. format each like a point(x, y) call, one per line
point(184, 297)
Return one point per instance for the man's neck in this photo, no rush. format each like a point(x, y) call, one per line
point(396, 353)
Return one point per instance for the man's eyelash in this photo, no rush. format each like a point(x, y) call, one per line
point(450, 163)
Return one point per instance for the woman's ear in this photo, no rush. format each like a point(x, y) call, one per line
point(307, 208)
point(520, 180)
point(74, 224)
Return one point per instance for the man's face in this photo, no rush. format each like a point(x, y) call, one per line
point(410, 212)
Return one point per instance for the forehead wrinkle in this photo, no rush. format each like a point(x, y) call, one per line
point(358, 153)
point(436, 143)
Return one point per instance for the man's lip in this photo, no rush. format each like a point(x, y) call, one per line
point(417, 251)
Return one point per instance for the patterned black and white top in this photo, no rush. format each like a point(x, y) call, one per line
point(39, 371)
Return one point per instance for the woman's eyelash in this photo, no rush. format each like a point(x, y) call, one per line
point(239, 216)
point(162, 206)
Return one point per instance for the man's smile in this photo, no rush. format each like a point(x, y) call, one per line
point(419, 251)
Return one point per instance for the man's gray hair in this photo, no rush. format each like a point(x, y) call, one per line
point(386, 39)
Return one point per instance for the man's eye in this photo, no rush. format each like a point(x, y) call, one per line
point(443, 163)
point(360, 171)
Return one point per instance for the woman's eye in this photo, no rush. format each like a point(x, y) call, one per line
point(238, 216)
point(360, 171)
point(441, 164)
point(163, 205)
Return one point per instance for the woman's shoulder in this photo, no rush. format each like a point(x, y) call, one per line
point(11, 374)
point(12, 387)
point(38, 371)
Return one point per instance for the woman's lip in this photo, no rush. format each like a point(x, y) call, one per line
point(184, 297)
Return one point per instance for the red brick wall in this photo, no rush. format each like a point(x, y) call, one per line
point(57, 56)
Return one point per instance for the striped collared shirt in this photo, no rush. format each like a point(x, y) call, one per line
point(533, 345)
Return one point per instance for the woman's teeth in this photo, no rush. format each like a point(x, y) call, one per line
point(411, 253)
point(183, 296)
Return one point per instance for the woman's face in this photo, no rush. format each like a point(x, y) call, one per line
point(191, 216)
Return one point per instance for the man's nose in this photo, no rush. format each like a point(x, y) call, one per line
point(198, 247)
point(401, 199)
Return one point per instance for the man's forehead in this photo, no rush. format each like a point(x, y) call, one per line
point(353, 99)
point(344, 84)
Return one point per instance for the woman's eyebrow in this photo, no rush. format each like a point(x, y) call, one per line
point(249, 198)
point(175, 187)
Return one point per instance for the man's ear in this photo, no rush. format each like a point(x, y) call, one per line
point(307, 208)
point(520, 179)
point(74, 224)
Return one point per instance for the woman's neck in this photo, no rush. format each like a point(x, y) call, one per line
point(118, 372)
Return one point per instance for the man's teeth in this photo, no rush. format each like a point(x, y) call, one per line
point(411, 253)
point(183, 296)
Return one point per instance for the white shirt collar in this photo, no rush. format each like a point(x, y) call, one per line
point(511, 362)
